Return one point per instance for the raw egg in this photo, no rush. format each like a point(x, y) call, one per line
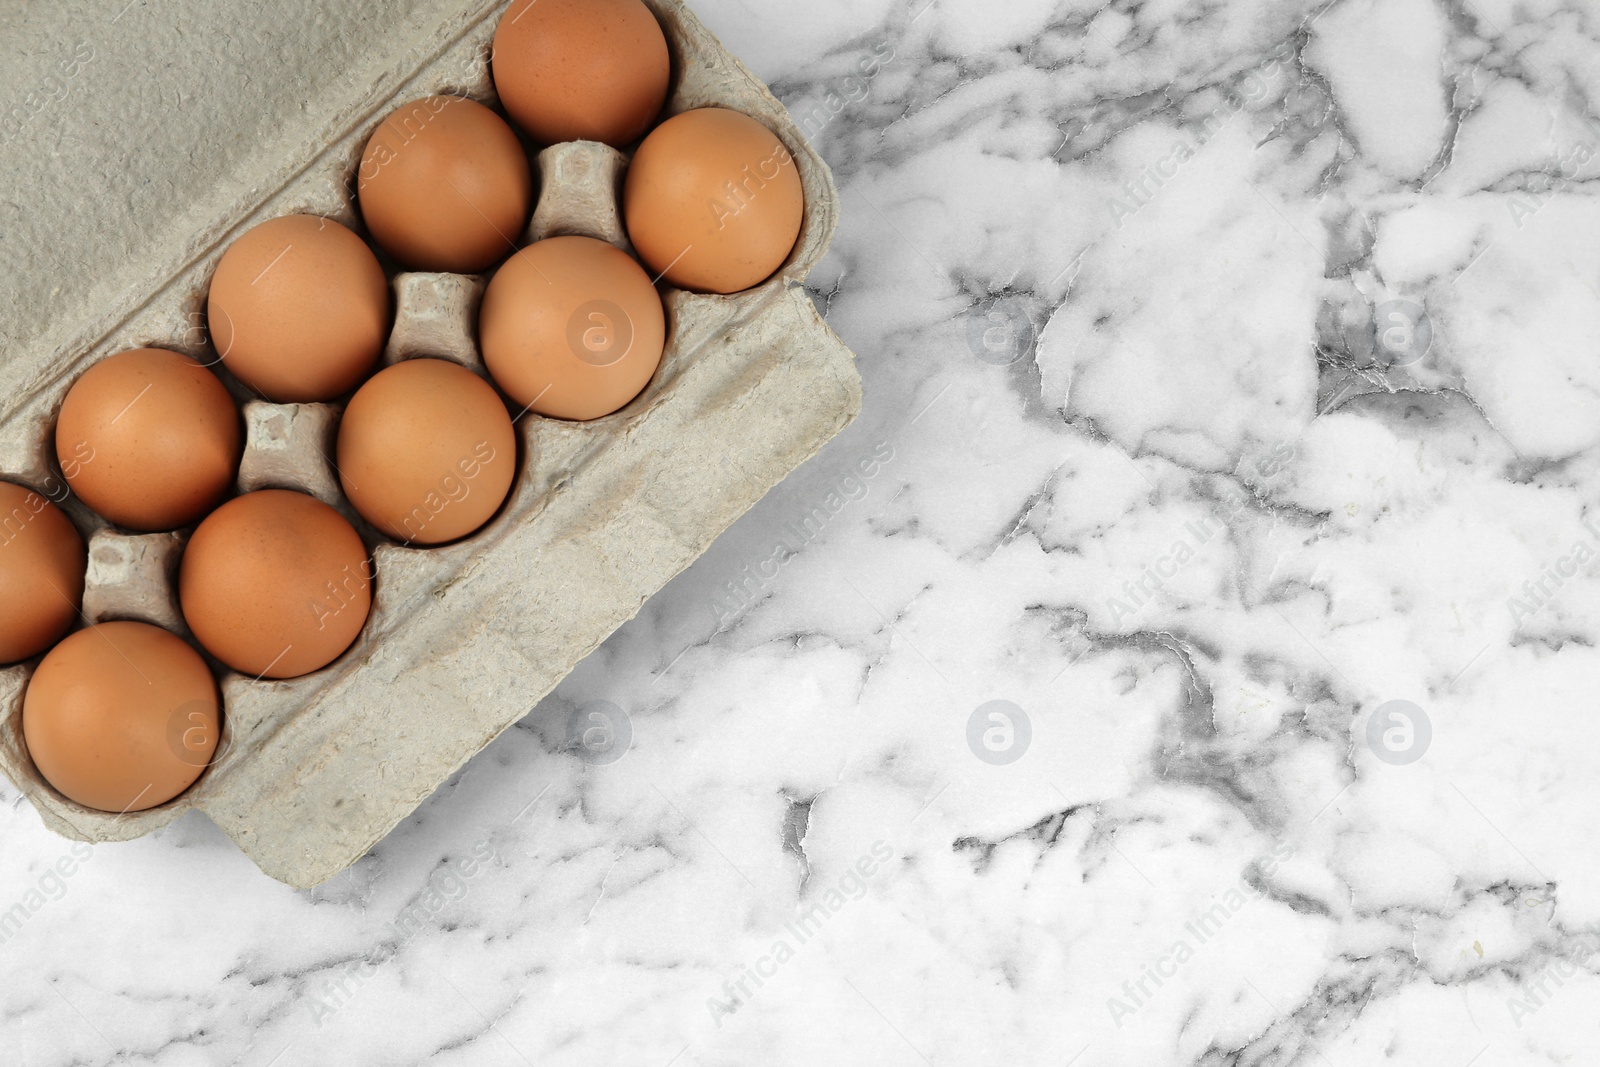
point(299, 309)
point(713, 201)
point(572, 328)
point(150, 439)
point(426, 451)
point(445, 186)
point(581, 70)
point(121, 717)
point(275, 584)
point(42, 563)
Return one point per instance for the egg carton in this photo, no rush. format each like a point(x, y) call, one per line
point(463, 640)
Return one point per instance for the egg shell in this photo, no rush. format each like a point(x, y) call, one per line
point(581, 70)
point(444, 185)
point(42, 565)
point(299, 309)
point(150, 439)
point(426, 451)
point(572, 328)
point(122, 717)
point(713, 201)
point(275, 584)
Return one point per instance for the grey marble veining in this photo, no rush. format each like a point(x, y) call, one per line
point(1187, 658)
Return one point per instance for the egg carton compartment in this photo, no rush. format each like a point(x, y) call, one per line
point(287, 446)
point(584, 183)
point(436, 316)
point(463, 640)
point(134, 577)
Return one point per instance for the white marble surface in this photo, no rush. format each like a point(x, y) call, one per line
point(1196, 536)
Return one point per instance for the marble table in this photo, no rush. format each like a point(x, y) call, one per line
point(1180, 662)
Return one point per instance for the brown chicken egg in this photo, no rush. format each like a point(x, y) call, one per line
point(713, 201)
point(275, 584)
point(150, 439)
point(299, 309)
point(121, 717)
point(42, 564)
point(581, 70)
point(426, 451)
point(571, 328)
point(445, 186)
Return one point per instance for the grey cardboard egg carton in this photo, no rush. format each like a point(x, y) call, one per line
point(463, 640)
